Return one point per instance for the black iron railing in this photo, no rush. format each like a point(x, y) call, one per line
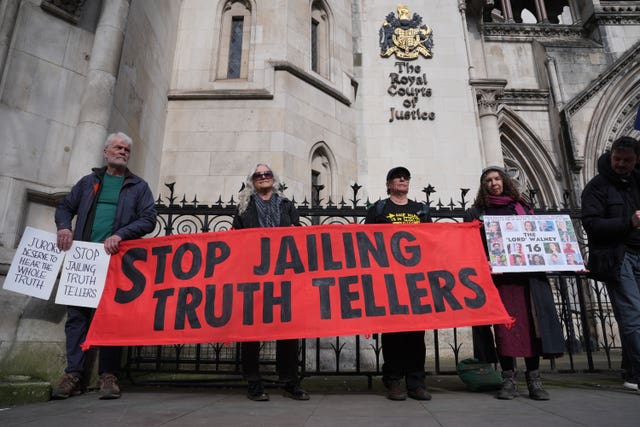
point(591, 334)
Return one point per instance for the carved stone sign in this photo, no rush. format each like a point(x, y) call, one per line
point(408, 38)
point(409, 82)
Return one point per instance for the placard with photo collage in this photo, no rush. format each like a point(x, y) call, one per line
point(532, 243)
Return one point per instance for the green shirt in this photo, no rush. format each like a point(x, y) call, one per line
point(106, 207)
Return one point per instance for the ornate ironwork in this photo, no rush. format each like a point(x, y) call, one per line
point(591, 335)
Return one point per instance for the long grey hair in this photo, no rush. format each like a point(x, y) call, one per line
point(245, 194)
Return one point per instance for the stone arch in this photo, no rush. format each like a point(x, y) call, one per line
point(612, 118)
point(321, 15)
point(322, 171)
point(526, 157)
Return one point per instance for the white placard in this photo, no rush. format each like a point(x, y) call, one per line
point(35, 265)
point(83, 275)
point(532, 243)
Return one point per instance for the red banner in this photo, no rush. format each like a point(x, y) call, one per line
point(296, 282)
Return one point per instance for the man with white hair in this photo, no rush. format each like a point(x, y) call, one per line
point(110, 205)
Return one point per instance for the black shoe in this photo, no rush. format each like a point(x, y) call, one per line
point(420, 393)
point(256, 392)
point(295, 392)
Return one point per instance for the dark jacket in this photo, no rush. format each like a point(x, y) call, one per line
point(135, 213)
point(607, 207)
point(249, 218)
point(543, 308)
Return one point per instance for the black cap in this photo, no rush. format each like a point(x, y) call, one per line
point(398, 171)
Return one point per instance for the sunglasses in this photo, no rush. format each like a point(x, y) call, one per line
point(263, 175)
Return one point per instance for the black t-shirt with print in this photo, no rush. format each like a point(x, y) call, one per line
point(391, 213)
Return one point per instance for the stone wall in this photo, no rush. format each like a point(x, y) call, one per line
point(218, 129)
point(39, 107)
point(144, 76)
point(39, 111)
point(430, 149)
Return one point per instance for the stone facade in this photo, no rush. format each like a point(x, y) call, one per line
point(279, 113)
point(543, 93)
point(64, 87)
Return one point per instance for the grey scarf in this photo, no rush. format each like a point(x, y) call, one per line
point(268, 210)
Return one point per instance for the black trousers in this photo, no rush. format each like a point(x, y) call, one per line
point(286, 360)
point(404, 357)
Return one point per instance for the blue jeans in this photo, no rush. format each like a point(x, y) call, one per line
point(625, 298)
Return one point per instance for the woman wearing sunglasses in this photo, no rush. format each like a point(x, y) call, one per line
point(262, 204)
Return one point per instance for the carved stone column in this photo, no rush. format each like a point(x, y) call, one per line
point(8, 17)
point(541, 11)
point(507, 12)
point(97, 97)
point(555, 85)
point(462, 8)
point(575, 12)
point(488, 94)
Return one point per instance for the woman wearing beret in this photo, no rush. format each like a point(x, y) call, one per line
point(527, 297)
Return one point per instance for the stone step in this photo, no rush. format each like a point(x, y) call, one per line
point(19, 390)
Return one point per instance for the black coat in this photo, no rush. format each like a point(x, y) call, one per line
point(249, 218)
point(608, 202)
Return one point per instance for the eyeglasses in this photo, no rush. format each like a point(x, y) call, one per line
point(263, 175)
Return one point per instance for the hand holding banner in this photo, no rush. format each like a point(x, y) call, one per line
point(296, 282)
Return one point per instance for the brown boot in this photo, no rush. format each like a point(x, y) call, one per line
point(109, 388)
point(420, 393)
point(68, 385)
point(396, 390)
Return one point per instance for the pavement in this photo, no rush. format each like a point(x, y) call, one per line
point(587, 399)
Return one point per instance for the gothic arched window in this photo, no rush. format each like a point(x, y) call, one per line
point(319, 38)
point(235, 36)
point(530, 11)
point(321, 173)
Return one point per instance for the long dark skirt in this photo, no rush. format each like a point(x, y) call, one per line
point(520, 340)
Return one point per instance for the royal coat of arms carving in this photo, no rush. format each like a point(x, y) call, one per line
point(405, 35)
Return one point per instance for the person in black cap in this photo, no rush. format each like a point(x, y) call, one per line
point(403, 352)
